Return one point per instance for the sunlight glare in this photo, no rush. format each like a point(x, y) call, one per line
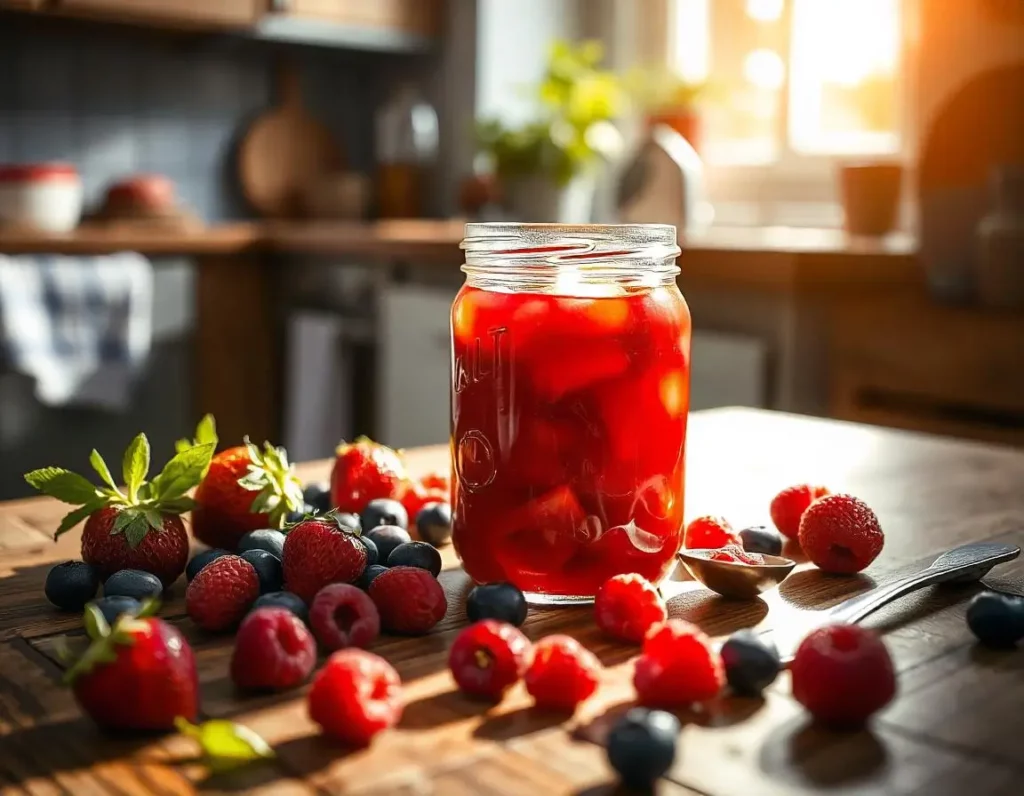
point(764, 68)
point(845, 41)
point(764, 10)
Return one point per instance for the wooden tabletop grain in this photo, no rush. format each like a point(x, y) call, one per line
point(955, 728)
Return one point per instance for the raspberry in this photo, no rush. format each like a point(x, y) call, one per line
point(409, 599)
point(790, 504)
point(736, 555)
point(678, 666)
point(355, 696)
point(219, 596)
point(841, 534)
point(842, 674)
point(562, 674)
point(343, 616)
point(273, 651)
point(318, 552)
point(706, 533)
point(627, 606)
point(488, 658)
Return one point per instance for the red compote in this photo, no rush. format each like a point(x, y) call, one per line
point(570, 391)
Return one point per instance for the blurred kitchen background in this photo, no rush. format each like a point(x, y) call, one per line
point(293, 177)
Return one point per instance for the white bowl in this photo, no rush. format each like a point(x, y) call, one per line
point(41, 196)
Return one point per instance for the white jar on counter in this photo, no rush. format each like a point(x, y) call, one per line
point(40, 196)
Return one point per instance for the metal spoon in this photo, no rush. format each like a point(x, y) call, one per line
point(736, 580)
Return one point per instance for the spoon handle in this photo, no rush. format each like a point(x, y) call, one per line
point(968, 562)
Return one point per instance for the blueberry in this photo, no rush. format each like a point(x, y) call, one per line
point(501, 601)
point(996, 619)
point(133, 583)
point(369, 575)
point(642, 746)
point(759, 539)
point(348, 520)
point(372, 553)
point(416, 554)
point(298, 515)
point(751, 663)
point(200, 560)
point(387, 538)
point(71, 585)
point(267, 539)
point(318, 496)
point(268, 569)
point(112, 607)
point(383, 511)
point(434, 523)
point(283, 599)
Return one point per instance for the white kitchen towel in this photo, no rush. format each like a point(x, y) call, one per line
point(80, 326)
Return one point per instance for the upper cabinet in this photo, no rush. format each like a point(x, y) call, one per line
point(418, 17)
point(226, 13)
point(21, 3)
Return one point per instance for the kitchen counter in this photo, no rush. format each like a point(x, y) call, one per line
point(954, 727)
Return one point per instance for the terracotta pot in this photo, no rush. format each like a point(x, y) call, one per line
point(871, 197)
point(684, 121)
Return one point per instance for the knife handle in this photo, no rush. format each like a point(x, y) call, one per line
point(968, 562)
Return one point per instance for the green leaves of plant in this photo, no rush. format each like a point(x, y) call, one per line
point(100, 466)
point(136, 465)
point(58, 483)
point(81, 514)
point(183, 472)
point(225, 744)
point(273, 477)
point(134, 524)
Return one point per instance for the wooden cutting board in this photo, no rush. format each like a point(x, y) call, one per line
point(283, 151)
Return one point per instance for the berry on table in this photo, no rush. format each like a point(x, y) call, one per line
point(387, 538)
point(751, 663)
point(298, 515)
point(133, 583)
point(369, 575)
point(759, 539)
point(488, 658)
point(355, 696)
point(409, 599)
point(709, 532)
point(843, 674)
point(840, 534)
point(996, 619)
point(283, 599)
point(788, 507)
point(372, 553)
point(562, 673)
point(318, 496)
point(267, 539)
point(677, 666)
point(200, 560)
point(114, 606)
point(383, 511)
point(274, 651)
point(734, 554)
point(628, 606)
point(220, 595)
point(414, 496)
point(268, 569)
point(70, 585)
point(642, 746)
point(502, 601)
point(318, 552)
point(434, 524)
point(343, 616)
point(347, 519)
point(364, 470)
point(416, 554)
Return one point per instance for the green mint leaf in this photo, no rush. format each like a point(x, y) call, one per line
point(135, 467)
point(182, 445)
point(150, 607)
point(224, 743)
point(136, 529)
point(206, 431)
point(100, 466)
point(96, 626)
point(63, 485)
point(81, 514)
point(154, 519)
point(178, 505)
point(183, 472)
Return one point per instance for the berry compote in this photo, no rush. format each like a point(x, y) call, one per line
point(570, 392)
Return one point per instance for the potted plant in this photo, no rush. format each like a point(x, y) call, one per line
point(547, 167)
point(666, 98)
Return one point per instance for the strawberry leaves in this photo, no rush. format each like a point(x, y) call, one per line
point(100, 466)
point(135, 467)
point(63, 485)
point(272, 476)
point(225, 745)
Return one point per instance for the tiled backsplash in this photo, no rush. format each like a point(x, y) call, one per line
point(117, 100)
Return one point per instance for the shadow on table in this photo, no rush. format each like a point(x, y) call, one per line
point(715, 614)
point(814, 589)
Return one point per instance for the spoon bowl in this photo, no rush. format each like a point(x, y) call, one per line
point(737, 581)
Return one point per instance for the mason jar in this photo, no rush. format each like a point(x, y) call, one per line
point(569, 399)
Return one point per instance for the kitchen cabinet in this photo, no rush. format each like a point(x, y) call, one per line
point(407, 16)
point(21, 3)
point(221, 13)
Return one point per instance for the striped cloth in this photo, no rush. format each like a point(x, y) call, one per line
point(80, 326)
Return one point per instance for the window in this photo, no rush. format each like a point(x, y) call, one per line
point(792, 85)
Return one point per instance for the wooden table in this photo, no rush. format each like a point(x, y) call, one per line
point(955, 728)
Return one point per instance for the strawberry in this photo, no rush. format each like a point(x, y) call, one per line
point(319, 551)
point(138, 675)
point(365, 470)
point(138, 526)
point(414, 496)
point(245, 489)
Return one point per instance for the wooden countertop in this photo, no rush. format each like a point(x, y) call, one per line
point(760, 257)
point(954, 728)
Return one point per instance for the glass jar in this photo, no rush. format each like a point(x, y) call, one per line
point(570, 393)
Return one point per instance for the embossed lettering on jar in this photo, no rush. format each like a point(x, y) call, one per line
point(570, 392)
